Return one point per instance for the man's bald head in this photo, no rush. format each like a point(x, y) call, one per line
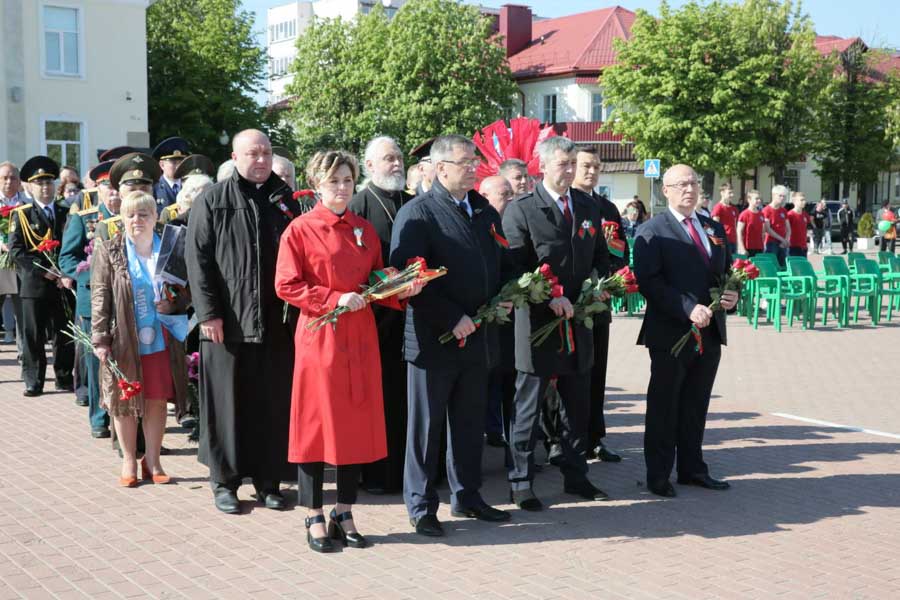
point(252, 155)
point(680, 187)
point(498, 192)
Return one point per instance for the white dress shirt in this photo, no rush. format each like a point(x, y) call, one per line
point(700, 231)
point(559, 203)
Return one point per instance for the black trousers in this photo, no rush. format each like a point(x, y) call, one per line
point(846, 238)
point(596, 421)
point(677, 403)
point(574, 396)
point(455, 396)
point(43, 318)
point(310, 477)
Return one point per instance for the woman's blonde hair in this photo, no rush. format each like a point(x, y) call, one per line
point(323, 164)
point(136, 200)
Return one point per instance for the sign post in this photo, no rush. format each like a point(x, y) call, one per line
point(651, 172)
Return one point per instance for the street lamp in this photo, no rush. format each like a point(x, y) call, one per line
point(223, 138)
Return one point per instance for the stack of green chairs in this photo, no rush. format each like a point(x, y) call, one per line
point(774, 288)
point(886, 286)
point(857, 285)
point(827, 287)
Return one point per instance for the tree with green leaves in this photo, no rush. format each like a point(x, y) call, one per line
point(857, 131)
point(723, 87)
point(432, 69)
point(203, 68)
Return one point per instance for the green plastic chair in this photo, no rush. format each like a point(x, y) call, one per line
point(884, 261)
point(852, 258)
point(774, 288)
point(828, 287)
point(887, 285)
point(858, 286)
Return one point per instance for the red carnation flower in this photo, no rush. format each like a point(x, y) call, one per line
point(556, 291)
point(418, 259)
point(546, 272)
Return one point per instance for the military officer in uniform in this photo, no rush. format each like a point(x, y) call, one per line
point(88, 198)
point(195, 164)
point(44, 289)
point(169, 153)
point(135, 171)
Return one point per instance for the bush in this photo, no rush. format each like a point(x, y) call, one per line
point(866, 226)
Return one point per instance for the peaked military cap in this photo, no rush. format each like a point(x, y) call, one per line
point(423, 150)
point(101, 171)
point(173, 147)
point(39, 167)
point(134, 167)
point(195, 164)
point(115, 153)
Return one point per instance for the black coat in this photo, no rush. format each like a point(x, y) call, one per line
point(432, 227)
point(538, 234)
point(231, 249)
point(674, 278)
point(33, 284)
point(611, 213)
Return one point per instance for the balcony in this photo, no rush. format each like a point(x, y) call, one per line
point(610, 145)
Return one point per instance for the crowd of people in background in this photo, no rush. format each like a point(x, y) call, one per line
point(374, 394)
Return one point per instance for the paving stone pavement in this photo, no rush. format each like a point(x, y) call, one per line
point(813, 510)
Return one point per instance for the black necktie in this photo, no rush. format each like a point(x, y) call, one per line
point(463, 210)
point(48, 211)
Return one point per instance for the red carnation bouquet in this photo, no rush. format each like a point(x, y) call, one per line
point(741, 272)
point(384, 284)
point(5, 212)
point(50, 249)
point(589, 303)
point(128, 389)
point(530, 288)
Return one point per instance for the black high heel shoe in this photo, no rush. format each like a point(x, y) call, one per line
point(336, 531)
point(322, 544)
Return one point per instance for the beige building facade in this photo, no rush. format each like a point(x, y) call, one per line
point(73, 75)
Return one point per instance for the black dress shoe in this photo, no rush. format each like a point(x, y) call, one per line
point(271, 499)
point(663, 489)
point(428, 525)
point(81, 401)
point(100, 432)
point(227, 501)
point(482, 513)
point(586, 490)
point(336, 531)
point(316, 544)
point(32, 392)
point(188, 422)
point(526, 500)
point(495, 439)
point(605, 454)
point(62, 386)
point(704, 481)
point(555, 455)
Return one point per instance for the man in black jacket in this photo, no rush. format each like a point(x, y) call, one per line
point(559, 226)
point(246, 348)
point(455, 227)
point(44, 290)
point(378, 203)
point(678, 257)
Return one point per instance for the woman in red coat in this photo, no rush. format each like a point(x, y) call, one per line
point(336, 406)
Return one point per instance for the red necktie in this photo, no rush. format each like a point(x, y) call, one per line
point(567, 214)
point(697, 241)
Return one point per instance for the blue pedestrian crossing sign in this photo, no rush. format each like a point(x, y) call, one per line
point(651, 168)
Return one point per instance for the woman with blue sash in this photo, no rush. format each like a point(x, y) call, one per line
point(141, 327)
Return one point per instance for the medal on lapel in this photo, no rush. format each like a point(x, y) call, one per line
point(501, 241)
point(586, 227)
point(358, 232)
point(711, 235)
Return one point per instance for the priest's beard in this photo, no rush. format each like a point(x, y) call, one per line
point(390, 183)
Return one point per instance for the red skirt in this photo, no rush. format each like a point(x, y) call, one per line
point(157, 381)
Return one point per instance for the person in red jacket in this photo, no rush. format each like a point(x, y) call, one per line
point(799, 221)
point(727, 214)
point(751, 227)
point(778, 230)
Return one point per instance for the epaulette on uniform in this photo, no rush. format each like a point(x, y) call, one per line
point(88, 211)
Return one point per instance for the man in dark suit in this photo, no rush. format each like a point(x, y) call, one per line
point(46, 299)
point(556, 225)
point(452, 226)
point(678, 257)
point(378, 203)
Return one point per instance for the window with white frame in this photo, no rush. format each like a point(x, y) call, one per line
point(283, 31)
point(63, 142)
point(61, 40)
point(550, 108)
point(596, 106)
point(792, 179)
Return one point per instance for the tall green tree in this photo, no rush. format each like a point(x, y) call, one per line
point(203, 68)
point(858, 135)
point(434, 68)
point(723, 87)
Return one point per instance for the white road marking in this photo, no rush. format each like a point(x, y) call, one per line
point(839, 426)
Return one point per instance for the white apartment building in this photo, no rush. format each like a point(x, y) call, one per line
point(73, 75)
point(286, 21)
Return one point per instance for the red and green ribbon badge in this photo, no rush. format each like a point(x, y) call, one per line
point(462, 342)
point(616, 247)
point(566, 337)
point(587, 227)
point(502, 241)
point(695, 333)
